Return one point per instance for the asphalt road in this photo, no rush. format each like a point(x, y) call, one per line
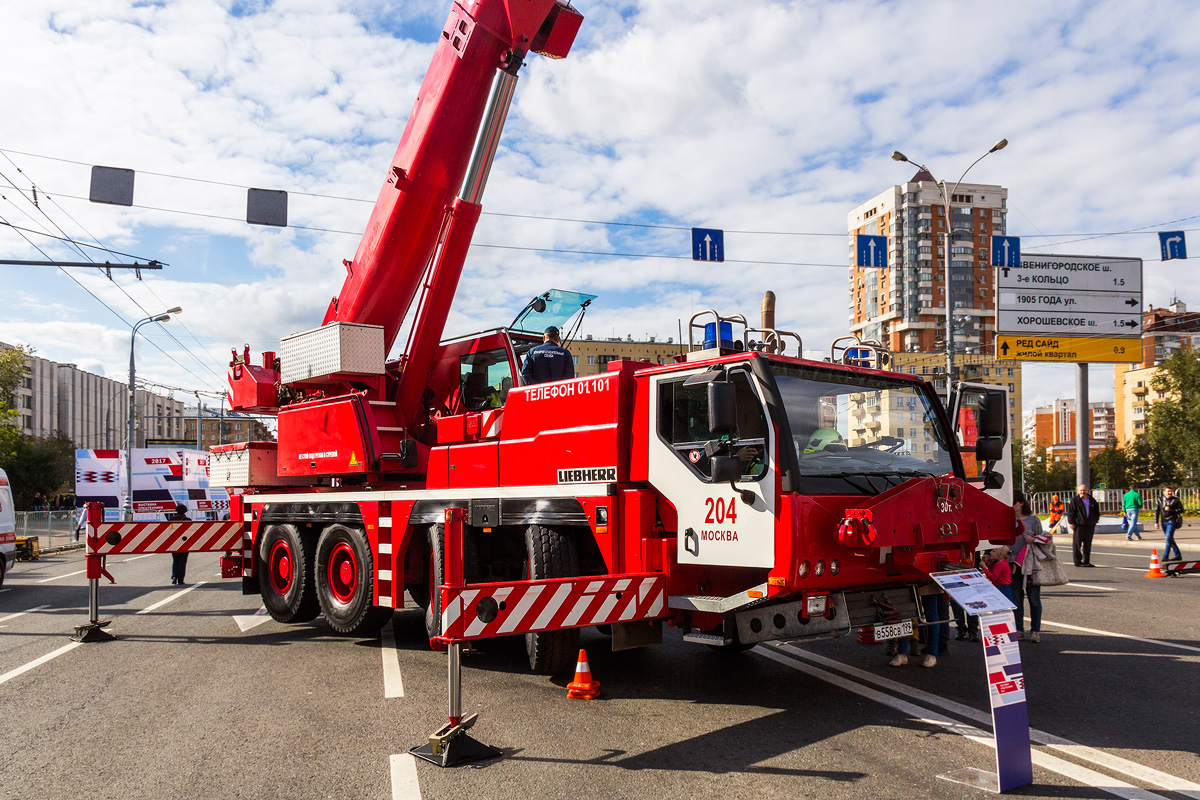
point(188, 704)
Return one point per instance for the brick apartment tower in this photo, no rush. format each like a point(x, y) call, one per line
point(904, 306)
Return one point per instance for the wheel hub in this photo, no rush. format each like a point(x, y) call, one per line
point(342, 573)
point(280, 568)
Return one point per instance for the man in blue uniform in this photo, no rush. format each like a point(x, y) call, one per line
point(549, 361)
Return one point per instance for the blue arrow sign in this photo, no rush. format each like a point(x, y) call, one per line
point(1173, 244)
point(872, 250)
point(1006, 251)
point(708, 244)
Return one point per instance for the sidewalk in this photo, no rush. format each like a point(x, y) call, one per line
point(1109, 534)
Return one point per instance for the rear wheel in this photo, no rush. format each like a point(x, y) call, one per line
point(285, 575)
point(3, 564)
point(344, 580)
point(551, 554)
point(435, 578)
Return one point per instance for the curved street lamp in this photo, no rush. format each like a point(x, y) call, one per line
point(946, 195)
point(163, 317)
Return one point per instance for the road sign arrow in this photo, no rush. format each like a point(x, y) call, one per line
point(1004, 348)
point(707, 248)
point(1131, 302)
point(871, 246)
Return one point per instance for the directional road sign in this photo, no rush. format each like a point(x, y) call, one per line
point(1006, 251)
point(1069, 308)
point(1083, 323)
point(1069, 348)
point(708, 244)
point(871, 250)
point(1073, 274)
point(1173, 244)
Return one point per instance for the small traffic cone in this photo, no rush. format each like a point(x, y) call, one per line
point(583, 687)
point(1155, 570)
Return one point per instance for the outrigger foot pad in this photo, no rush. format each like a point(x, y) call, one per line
point(93, 632)
point(451, 745)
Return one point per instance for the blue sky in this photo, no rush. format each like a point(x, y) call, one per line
point(769, 118)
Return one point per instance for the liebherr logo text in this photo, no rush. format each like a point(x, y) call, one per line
point(591, 475)
point(573, 389)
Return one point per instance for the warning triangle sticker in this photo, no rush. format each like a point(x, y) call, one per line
point(353, 459)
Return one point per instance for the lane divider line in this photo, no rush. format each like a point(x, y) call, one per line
point(393, 686)
point(1067, 769)
point(175, 596)
point(135, 558)
point(1100, 758)
point(1123, 636)
point(1090, 586)
point(405, 785)
point(21, 613)
point(57, 577)
point(8, 676)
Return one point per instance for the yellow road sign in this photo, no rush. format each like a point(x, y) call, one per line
point(1069, 348)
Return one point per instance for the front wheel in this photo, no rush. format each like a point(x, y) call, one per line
point(344, 579)
point(285, 576)
point(551, 554)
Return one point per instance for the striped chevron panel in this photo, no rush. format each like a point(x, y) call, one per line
point(499, 609)
point(165, 537)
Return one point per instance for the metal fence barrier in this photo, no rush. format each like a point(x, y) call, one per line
point(52, 528)
point(1111, 500)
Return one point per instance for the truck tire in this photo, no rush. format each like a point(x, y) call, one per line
point(3, 569)
point(551, 554)
point(285, 575)
point(435, 577)
point(344, 570)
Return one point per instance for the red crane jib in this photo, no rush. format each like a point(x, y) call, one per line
point(431, 161)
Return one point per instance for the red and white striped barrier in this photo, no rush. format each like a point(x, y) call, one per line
point(108, 538)
point(1180, 567)
point(498, 609)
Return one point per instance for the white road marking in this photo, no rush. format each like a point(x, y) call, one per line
point(247, 621)
point(1090, 586)
point(135, 558)
point(1143, 556)
point(57, 577)
point(38, 662)
point(1123, 636)
point(20, 613)
point(393, 686)
point(405, 785)
point(175, 596)
point(1128, 569)
point(1099, 758)
point(1067, 769)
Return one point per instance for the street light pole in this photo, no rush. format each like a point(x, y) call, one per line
point(946, 197)
point(163, 317)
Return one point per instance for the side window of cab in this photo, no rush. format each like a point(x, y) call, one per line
point(683, 424)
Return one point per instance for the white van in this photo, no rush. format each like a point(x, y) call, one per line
point(8, 527)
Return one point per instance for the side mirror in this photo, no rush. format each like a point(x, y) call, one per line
point(722, 408)
point(539, 305)
point(993, 480)
point(989, 448)
point(993, 416)
point(725, 469)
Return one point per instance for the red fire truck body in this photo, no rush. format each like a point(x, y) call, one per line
point(738, 493)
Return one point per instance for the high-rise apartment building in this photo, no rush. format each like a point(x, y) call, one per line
point(904, 306)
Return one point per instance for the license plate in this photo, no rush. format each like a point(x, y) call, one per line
point(893, 631)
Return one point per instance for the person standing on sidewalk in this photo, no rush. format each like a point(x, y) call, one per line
point(1083, 512)
point(1132, 504)
point(1025, 565)
point(178, 560)
point(1169, 516)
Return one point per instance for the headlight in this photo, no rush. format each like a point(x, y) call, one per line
point(803, 570)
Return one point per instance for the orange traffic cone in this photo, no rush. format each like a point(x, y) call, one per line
point(583, 687)
point(1155, 570)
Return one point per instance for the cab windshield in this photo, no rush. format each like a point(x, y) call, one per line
point(856, 433)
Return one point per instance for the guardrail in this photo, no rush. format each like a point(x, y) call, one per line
point(52, 528)
point(1111, 503)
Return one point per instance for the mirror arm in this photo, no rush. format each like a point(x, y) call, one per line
point(746, 495)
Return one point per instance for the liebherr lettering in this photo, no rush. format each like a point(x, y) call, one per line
point(591, 475)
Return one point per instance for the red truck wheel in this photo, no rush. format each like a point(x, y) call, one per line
point(551, 554)
point(344, 581)
point(285, 577)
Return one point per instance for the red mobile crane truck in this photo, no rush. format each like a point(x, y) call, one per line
point(740, 493)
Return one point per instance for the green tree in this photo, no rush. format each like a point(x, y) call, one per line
point(35, 465)
point(13, 369)
point(1173, 423)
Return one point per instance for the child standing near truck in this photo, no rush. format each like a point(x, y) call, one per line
point(996, 567)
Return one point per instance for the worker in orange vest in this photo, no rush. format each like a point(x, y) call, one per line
point(1056, 511)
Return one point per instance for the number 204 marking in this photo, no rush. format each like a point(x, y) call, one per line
point(719, 511)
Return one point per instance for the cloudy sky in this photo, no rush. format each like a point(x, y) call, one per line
point(767, 119)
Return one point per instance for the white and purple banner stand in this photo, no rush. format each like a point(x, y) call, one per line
point(1006, 685)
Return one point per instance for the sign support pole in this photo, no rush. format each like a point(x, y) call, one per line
point(1083, 426)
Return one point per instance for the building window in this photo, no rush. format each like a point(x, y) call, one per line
point(591, 361)
point(576, 360)
point(1011, 372)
